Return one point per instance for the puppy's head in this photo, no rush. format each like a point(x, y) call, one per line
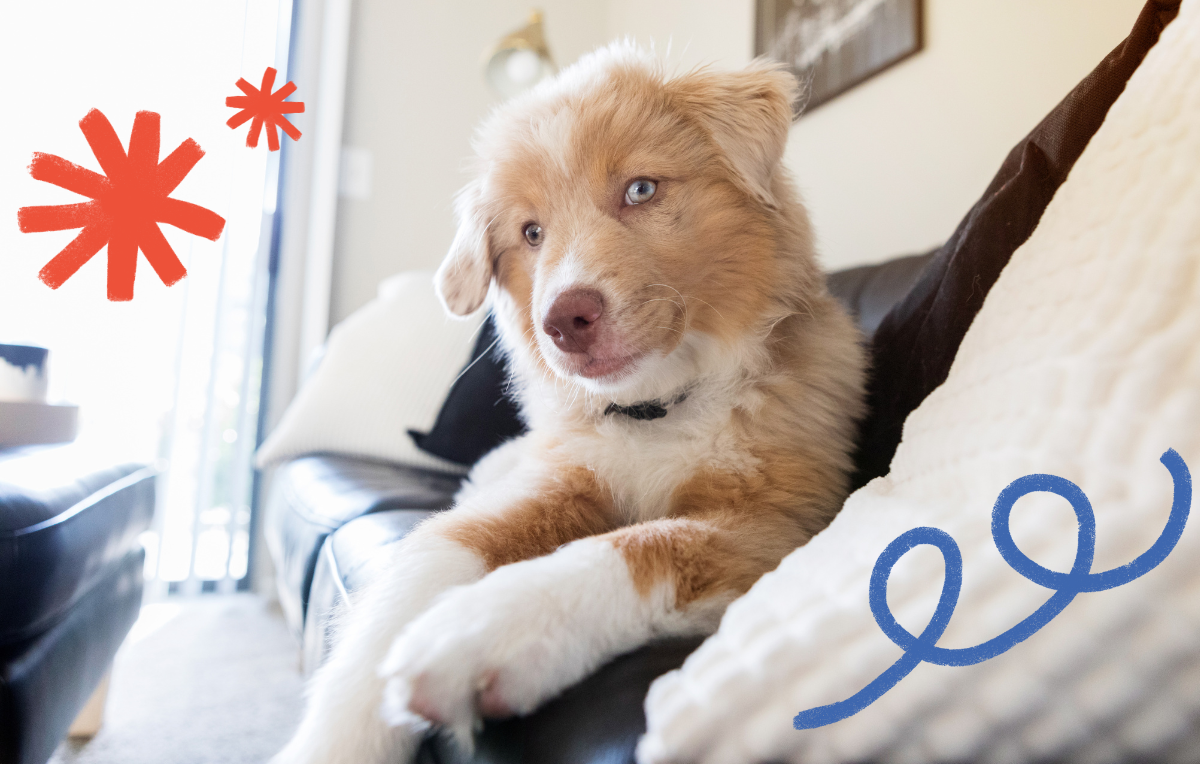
point(627, 221)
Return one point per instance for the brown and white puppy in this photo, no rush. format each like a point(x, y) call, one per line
point(691, 390)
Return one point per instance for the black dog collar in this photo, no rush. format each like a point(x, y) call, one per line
point(646, 410)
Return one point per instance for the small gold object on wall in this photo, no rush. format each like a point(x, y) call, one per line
point(520, 60)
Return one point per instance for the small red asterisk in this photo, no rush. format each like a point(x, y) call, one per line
point(126, 206)
point(267, 107)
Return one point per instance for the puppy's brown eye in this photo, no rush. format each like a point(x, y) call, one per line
point(640, 191)
point(533, 234)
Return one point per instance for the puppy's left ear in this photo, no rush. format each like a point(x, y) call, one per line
point(748, 114)
point(464, 276)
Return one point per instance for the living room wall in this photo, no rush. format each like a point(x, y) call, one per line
point(415, 92)
point(892, 166)
point(888, 168)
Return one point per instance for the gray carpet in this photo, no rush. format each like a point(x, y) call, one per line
point(212, 680)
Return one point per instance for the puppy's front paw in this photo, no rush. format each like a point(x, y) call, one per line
point(494, 648)
point(445, 663)
point(519, 636)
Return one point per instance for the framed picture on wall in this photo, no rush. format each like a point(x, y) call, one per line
point(833, 45)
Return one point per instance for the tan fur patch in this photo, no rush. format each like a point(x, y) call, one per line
point(727, 529)
point(695, 555)
point(569, 506)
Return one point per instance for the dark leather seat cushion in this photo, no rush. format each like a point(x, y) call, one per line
point(315, 495)
point(65, 520)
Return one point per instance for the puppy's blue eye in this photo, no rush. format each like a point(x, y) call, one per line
point(640, 191)
point(533, 234)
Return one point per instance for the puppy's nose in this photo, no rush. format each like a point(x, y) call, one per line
point(573, 318)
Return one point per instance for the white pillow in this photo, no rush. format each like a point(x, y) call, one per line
point(386, 369)
point(1083, 363)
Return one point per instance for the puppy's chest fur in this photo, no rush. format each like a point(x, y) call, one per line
point(643, 463)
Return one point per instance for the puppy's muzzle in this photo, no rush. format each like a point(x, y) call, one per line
point(573, 321)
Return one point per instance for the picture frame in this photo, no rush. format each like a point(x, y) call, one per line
point(834, 45)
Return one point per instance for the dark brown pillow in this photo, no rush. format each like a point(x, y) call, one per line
point(916, 342)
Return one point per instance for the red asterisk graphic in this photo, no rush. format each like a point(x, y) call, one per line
point(267, 107)
point(126, 206)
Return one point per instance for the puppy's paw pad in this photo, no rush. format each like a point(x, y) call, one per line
point(490, 700)
point(422, 701)
point(396, 708)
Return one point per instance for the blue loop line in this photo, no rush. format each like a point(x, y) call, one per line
point(923, 648)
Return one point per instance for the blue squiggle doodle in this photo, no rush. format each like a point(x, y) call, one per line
point(1080, 579)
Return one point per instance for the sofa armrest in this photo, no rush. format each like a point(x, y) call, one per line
point(349, 558)
point(315, 495)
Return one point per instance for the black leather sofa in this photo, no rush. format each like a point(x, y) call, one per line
point(70, 586)
point(328, 518)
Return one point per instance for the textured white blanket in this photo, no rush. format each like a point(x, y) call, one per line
point(1083, 363)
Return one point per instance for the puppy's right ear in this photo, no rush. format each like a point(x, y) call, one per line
point(462, 280)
